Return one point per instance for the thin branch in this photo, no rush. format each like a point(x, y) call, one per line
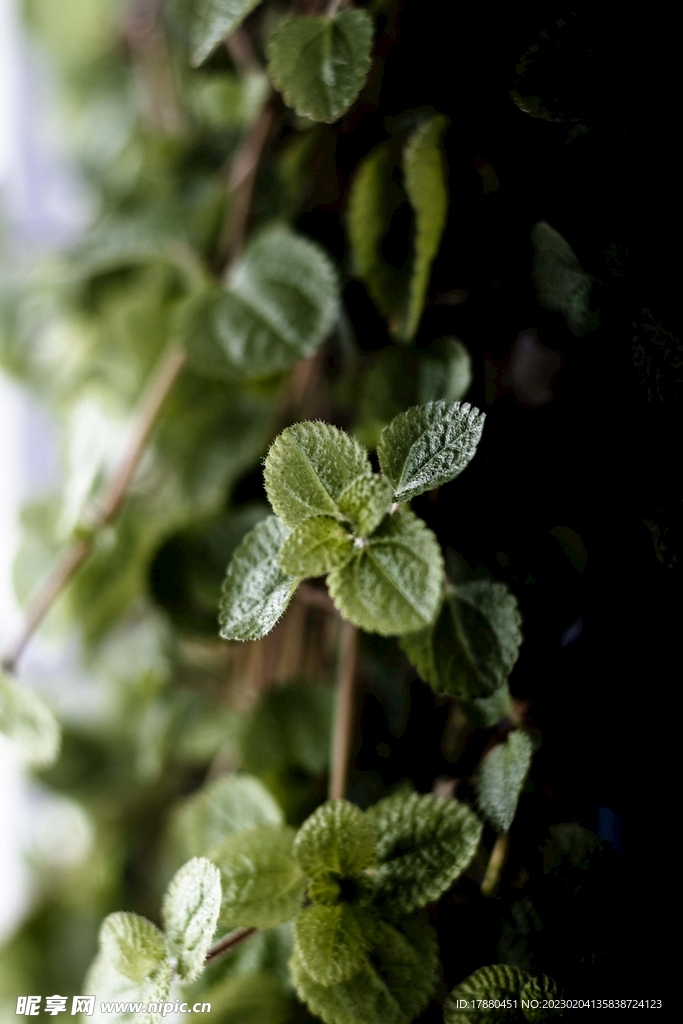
point(108, 508)
point(228, 943)
point(242, 53)
point(495, 865)
point(343, 719)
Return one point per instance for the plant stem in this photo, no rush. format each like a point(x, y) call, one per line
point(495, 865)
point(242, 54)
point(107, 510)
point(228, 943)
point(343, 720)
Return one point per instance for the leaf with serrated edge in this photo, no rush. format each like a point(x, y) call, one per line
point(425, 183)
point(224, 806)
point(256, 591)
point(212, 21)
point(423, 844)
point(132, 944)
point(280, 303)
point(308, 467)
point(500, 778)
point(392, 585)
point(316, 546)
point(501, 983)
point(337, 837)
point(320, 63)
point(190, 913)
point(394, 985)
point(330, 942)
point(428, 445)
point(262, 883)
point(28, 723)
point(473, 644)
point(365, 502)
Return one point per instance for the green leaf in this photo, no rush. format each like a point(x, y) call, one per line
point(393, 986)
point(253, 997)
point(28, 723)
point(290, 728)
point(308, 467)
point(132, 944)
point(423, 844)
point(316, 546)
point(485, 712)
point(256, 591)
point(336, 838)
point(425, 182)
point(224, 806)
point(190, 913)
point(429, 445)
point(500, 778)
point(212, 21)
point(444, 372)
point(500, 983)
point(392, 585)
point(320, 63)
point(472, 646)
point(104, 980)
point(280, 303)
point(330, 942)
point(262, 883)
point(365, 502)
point(561, 283)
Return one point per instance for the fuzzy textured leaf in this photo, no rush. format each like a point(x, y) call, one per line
point(262, 883)
point(337, 837)
point(392, 987)
point(190, 913)
point(501, 982)
point(423, 844)
point(212, 21)
point(104, 980)
point(316, 546)
point(308, 467)
point(224, 806)
point(471, 648)
point(330, 942)
point(428, 445)
point(500, 779)
point(425, 183)
point(365, 502)
point(281, 301)
point(392, 585)
point(561, 283)
point(28, 723)
point(320, 63)
point(256, 591)
point(132, 945)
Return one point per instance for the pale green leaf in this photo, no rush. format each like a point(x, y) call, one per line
point(330, 942)
point(500, 778)
point(109, 985)
point(256, 591)
point(308, 467)
point(132, 944)
point(280, 303)
point(224, 806)
point(471, 648)
point(365, 502)
point(393, 986)
point(373, 198)
point(320, 63)
point(561, 283)
point(336, 838)
point(316, 546)
point(428, 445)
point(262, 883)
point(444, 372)
point(501, 983)
point(190, 913)
point(423, 844)
point(212, 21)
point(425, 183)
point(28, 723)
point(392, 585)
point(253, 997)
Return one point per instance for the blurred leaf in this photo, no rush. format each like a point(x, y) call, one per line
point(337, 838)
point(330, 942)
point(254, 997)
point(315, 546)
point(104, 980)
point(501, 983)
point(485, 712)
point(444, 372)
point(212, 21)
point(572, 545)
point(224, 806)
point(562, 286)
point(423, 844)
point(290, 727)
point(320, 63)
point(28, 723)
point(133, 945)
point(190, 912)
point(500, 778)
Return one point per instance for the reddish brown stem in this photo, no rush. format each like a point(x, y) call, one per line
point(228, 943)
point(343, 720)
